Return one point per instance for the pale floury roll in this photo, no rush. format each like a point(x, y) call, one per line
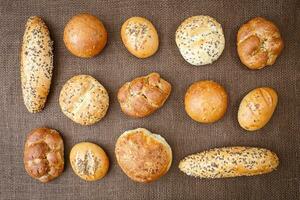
point(84, 100)
point(142, 155)
point(200, 40)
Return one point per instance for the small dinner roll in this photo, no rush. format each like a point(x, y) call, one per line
point(44, 154)
point(200, 40)
point(206, 101)
point(259, 43)
point(139, 37)
point(142, 155)
point(257, 108)
point(143, 95)
point(84, 100)
point(89, 161)
point(85, 36)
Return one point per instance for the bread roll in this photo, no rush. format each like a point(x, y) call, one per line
point(200, 40)
point(143, 95)
point(44, 154)
point(206, 101)
point(139, 37)
point(259, 43)
point(84, 100)
point(229, 162)
point(85, 36)
point(142, 155)
point(36, 64)
point(257, 108)
point(89, 161)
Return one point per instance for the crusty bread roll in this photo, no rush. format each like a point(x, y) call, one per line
point(206, 101)
point(259, 43)
point(142, 155)
point(84, 100)
point(44, 154)
point(139, 37)
point(36, 64)
point(200, 40)
point(85, 36)
point(229, 162)
point(89, 161)
point(143, 95)
point(257, 108)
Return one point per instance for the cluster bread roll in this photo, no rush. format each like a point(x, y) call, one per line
point(229, 162)
point(36, 64)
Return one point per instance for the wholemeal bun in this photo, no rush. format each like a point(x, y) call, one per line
point(84, 100)
point(143, 95)
point(85, 36)
point(139, 37)
point(89, 161)
point(44, 154)
point(206, 101)
point(142, 155)
point(229, 162)
point(200, 40)
point(257, 108)
point(36, 64)
point(259, 43)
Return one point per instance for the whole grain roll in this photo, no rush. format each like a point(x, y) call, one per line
point(229, 162)
point(36, 64)
point(200, 40)
point(84, 100)
point(44, 154)
point(142, 155)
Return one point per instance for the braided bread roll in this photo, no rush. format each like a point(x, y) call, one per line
point(143, 95)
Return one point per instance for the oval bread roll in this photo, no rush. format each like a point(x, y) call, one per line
point(229, 162)
point(140, 37)
point(36, 64)
point(257, 108)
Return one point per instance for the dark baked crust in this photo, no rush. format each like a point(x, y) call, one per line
point(143, 95)
point(44, 154)
point(142, 157)
point(259, 43)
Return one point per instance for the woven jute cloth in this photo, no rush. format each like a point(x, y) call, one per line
point(115, 65)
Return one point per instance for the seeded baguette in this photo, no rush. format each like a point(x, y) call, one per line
point(229, 162)
point(36, 64)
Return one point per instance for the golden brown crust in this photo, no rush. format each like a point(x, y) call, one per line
point(229, 162)
point(36, 64)
point(143, 95)
point(143, 156)
point(206, 101)
point(84, 100)
point(85, 36)
point(44, 154)
point(257, 108)
point(140, 37)
point(89, 161)
point(259, 43)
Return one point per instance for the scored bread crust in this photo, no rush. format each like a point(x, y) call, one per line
point(143, 95)
point(89, 161)
point(84, 100)
point(229, 162)
point(44, 154)
point(142, 155)
point(200, 40)
point(259, 43)
point(140, 37)
point(36, 64)
point(257, 108)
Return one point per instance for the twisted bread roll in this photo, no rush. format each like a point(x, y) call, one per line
point(259, 43)
point(44, 154)
point(143, 95)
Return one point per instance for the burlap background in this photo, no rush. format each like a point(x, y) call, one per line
point(115, 66)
